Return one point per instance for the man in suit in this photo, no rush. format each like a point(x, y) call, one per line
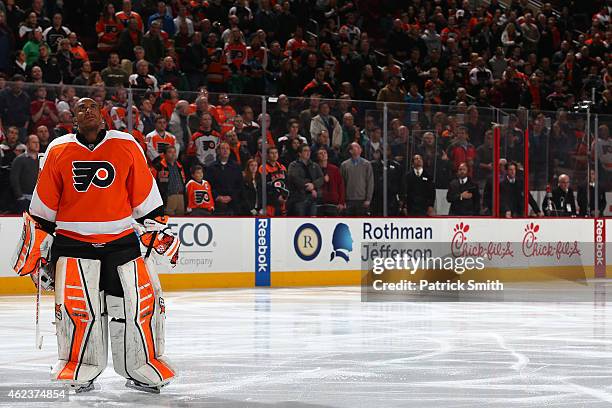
point(563, 201)
point(225, 178)
point(463, 194)
point(586, 198)
point(512, 194)
point(304, 181)
point(418, 190)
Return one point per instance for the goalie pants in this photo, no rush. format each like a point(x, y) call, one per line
point(95, 284)
point(112, 254)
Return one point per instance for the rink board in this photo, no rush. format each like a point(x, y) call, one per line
point(246, 252)
point(303, 257)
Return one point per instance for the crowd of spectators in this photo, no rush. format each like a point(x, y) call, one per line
point(444, 69)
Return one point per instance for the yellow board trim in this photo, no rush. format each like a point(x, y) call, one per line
point(186, 281)
point(316, 278)
point(176, 281)
point(10, 285)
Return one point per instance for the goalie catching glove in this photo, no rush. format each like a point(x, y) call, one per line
point(31, 256)
point(160, 242)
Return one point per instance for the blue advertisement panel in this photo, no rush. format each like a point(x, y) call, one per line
point(262, 252)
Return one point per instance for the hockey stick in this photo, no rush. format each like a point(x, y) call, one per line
point(39, 338)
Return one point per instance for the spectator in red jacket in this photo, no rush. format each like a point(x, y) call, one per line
point(43, 111)
point(332, 200)
point(319, 85)
point(462, 151)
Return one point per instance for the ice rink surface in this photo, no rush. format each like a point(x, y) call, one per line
point(323, 347)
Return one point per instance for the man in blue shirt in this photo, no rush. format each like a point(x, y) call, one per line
point(166, 20)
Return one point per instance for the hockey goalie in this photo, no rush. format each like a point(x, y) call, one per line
point(79, 238)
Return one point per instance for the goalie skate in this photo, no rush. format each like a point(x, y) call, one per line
point(143, 387)
point(82, 388)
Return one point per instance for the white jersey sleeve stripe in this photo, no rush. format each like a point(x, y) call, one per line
point(39, 209)
point(152, 201)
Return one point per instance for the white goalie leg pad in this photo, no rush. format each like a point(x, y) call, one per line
point(137, 326)
point(82, 334)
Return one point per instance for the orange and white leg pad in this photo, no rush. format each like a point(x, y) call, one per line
point(137, 326)
point(82, 335)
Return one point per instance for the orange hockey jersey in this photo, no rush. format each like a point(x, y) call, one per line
point(156, 144)
point(235, 53)
point(125, 19)
point(94, 195)
point(199, 195)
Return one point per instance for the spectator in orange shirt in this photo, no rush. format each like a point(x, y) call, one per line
point(235, 49)
point(108, 28)
point(76, 48)
point(167, 107)
point(200, 201)
point(126, 14)
point(159, 139)
point(223, 113)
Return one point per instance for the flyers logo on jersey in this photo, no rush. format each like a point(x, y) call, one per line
point(201, 196)
point(161, 147)
point(85, 173)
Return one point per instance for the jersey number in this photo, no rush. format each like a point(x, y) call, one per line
point(85, 173)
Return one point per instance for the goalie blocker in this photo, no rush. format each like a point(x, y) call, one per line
point(137, 323)
point(32, 252)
